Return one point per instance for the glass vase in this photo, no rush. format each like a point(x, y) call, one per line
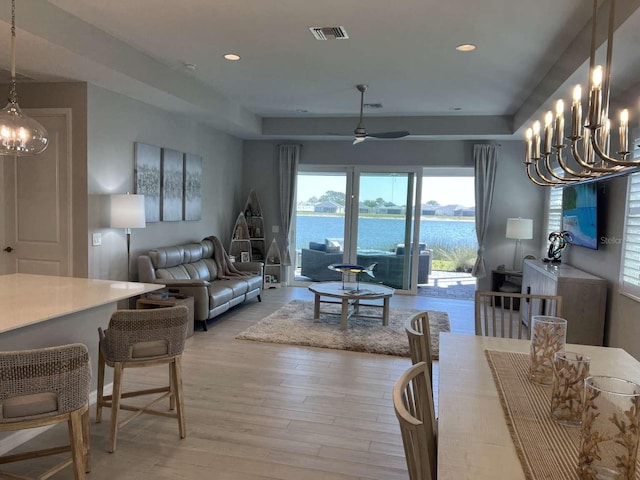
point(548, 336)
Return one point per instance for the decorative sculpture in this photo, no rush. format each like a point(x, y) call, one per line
point(557, 242)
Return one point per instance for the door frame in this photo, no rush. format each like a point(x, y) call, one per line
point(38, 113)
point(352, 192)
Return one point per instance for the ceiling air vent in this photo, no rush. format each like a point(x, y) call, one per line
point(372, 105)
point(329, 33)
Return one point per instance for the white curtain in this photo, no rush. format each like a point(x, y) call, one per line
point(485, 159)
point(289, 159)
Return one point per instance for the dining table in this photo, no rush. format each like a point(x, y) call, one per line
point(474, 438)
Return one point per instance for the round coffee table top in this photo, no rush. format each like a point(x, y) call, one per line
point(351, 290)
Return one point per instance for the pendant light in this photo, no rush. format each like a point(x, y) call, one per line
point(19, 134)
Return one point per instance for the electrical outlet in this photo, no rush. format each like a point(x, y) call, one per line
point(275, 229)
point(97, 239)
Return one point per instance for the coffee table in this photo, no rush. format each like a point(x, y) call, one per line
point(350, 297)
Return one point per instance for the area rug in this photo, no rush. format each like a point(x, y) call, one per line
point(293, 324)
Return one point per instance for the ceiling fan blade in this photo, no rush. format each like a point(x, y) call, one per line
point(399, 134)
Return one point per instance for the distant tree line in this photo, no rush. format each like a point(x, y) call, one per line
point(339, 199)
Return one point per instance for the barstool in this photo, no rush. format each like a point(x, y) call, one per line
point(44, 387)
point(142, 338)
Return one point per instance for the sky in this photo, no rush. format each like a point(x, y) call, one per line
point(444, 190)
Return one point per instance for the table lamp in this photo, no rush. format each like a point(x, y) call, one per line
point(127, 211)
point(519, 229)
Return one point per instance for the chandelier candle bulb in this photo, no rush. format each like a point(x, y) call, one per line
point(624, 132)
point(528, 135)
point(588, 148)
point(548, 132)
point(576, 112)
point(559, 125)
point(595, 104)
point(536, 140)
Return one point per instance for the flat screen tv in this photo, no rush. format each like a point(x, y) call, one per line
point(580, 214)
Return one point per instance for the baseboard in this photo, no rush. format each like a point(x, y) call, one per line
point(19, 437)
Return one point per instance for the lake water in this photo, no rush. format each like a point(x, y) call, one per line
point(384, 233)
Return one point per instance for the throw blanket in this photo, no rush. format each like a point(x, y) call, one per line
point(226, 268)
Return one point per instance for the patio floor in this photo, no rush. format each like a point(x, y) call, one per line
point(456, 285)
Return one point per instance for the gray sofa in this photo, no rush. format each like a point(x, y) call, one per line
point(191, 270)
point(389, 268)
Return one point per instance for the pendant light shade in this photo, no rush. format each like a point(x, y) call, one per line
point(19, 134)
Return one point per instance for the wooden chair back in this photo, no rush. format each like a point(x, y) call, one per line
point(508, 315)
point(413, 404)
point(419, 335)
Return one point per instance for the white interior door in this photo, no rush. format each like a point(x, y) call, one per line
point(37, 197)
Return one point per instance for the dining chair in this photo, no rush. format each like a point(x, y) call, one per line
point(413, 404)
point(44, 387)
point(508, 315)
point(419, 335)
point(137, 339)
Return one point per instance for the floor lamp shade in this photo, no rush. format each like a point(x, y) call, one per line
point(519, 229)
point(127, 211)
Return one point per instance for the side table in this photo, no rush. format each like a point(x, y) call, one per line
point(143, 303)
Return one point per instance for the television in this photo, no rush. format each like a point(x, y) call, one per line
point(580, 214)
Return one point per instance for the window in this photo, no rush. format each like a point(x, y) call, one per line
point(630, 264)
point(554, 216)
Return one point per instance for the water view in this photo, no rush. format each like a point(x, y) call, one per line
point(385, 233)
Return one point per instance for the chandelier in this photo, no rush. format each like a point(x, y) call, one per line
point(546, 162)
point(19, 134)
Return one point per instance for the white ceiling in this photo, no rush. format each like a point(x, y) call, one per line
point(404, 50)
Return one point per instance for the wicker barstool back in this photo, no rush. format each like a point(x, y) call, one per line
point(43, 387)
point(127, 328)
point(136, 339)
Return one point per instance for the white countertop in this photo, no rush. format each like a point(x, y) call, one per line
point(28, 299)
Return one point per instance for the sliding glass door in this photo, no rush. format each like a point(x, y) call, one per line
point(359, 216)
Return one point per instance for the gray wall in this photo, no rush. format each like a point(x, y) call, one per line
point(514, 195)
point(115, 122)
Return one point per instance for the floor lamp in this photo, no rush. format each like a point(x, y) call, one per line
point(519, 229)
point(127, 211)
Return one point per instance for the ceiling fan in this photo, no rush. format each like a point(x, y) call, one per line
point(361, 133)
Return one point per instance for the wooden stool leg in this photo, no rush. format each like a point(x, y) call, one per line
point(172, 389)
point(100, 392)
point(86, 437)
point(176, 374)
point(77, 445)
point(115, 404)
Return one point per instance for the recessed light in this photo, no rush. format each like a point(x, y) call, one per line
point(189, 66)
point(466, 47)
point(232, 56)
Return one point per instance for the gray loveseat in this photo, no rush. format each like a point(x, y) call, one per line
point(192, 270)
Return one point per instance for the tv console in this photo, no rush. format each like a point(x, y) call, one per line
point(584, 298)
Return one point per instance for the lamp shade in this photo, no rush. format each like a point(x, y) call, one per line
point(520, 228)
point(127, 211)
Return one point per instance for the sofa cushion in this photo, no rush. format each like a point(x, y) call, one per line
point(333, 245)
point(239, 287)
point(253, 283)
point(321, 247)
point(199, 270)
point(219, 294)
point(178, 272)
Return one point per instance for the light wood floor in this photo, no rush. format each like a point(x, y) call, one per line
point(266, 411)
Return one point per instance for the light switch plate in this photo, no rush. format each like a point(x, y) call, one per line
point(275, 229)
point(97, 239)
